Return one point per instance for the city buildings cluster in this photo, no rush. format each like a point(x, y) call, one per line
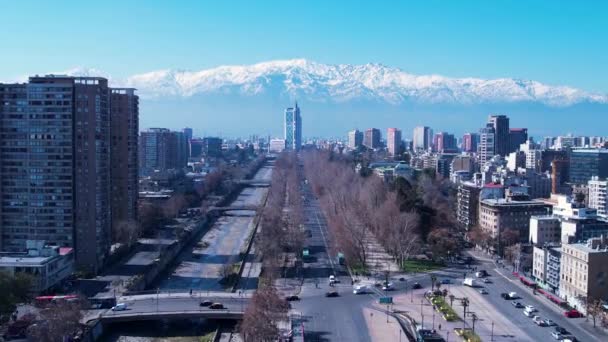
point(69, 164)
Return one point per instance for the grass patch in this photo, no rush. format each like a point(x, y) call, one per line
point(418, 266)
point(359, 269)
point(468, 335)
point(208, 337)
point(445, 309)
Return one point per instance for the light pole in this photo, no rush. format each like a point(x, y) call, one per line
point(447, 337)
point(492, 334)
point(433, 319)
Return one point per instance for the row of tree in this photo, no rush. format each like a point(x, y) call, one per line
point(281, 232)
point(406, 217)
point(282, 216)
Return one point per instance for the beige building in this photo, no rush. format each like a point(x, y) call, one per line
point(584, 272)
point(498, 215)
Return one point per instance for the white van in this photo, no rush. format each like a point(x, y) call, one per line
point(120, 307)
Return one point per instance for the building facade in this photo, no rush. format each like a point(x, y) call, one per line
point(467, 205)
point(486, 145)
point(597, 195)
point(498, 215)
point(371, 138)
point(502, 144)
point(584, 272)
point(355, 139)
point(293, 128)
point(586, 163)
point(517, 136)
point(469, 142)
point(422, 138)
point(56, 176)
point(161, 149)
point(393, 141)
point(124, 121)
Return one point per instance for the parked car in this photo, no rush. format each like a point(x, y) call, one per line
point(205, 303)
point(446, 281)
point(416, 286)
point(216, 306)
point(120, 307)
point(573, 314)
point(483, 291)
point(332, 294)
point(292, 298)
point(530, 308)
point(487, 281)
point(561, 330)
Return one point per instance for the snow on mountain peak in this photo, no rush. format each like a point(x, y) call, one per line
point(344, 82)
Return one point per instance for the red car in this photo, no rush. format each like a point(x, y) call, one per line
point(573, 314)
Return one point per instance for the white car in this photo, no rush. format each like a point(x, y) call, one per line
point(538, 320)
point(120, 307)
point(388, 287)
point(549, 322)
point(483, 291)
point(360, 289)
point(530, 308)
point(528, 313)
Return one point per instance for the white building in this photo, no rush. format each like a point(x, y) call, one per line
point(276, 145)
point(597, 195)
point(545, 229)
point(49, 265)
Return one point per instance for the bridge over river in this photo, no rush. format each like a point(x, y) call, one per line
point(171, 305)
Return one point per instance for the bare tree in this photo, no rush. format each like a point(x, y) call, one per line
point(263, 313)
point(595, 309)
point(126, 232)
point(58, 321)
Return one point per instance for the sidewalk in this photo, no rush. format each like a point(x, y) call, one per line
point(382, 327)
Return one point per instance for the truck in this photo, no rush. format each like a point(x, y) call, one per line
point(470, 282)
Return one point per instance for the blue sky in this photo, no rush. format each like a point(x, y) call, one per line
point(555, 42)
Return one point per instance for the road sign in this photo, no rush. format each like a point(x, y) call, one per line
point(386, 300)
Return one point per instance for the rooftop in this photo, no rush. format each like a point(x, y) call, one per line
point(505, 202)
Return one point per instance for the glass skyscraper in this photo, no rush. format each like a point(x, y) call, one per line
point(293, 128)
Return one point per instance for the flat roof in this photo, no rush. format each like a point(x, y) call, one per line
point(502, 201)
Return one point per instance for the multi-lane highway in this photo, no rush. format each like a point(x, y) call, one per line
point(327, 319)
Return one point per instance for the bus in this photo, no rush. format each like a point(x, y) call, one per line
point(42, 301)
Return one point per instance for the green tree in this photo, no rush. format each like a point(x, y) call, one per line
point(14, 289)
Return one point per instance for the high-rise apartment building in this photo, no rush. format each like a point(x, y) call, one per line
point(444, 142)
point(598, 196)
point(161, 149)
point(586, 163)
point(124, 132)
point(56, 177)
point(293, 128)
point(355, 139)
point(517, 136)
point(422, 138)
point(188, 133)
point(501, 132)
point(371, 138)
point(485, 148)
point(393, 141)
point(469, 142)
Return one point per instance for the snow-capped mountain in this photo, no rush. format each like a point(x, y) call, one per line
point(344, 82)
